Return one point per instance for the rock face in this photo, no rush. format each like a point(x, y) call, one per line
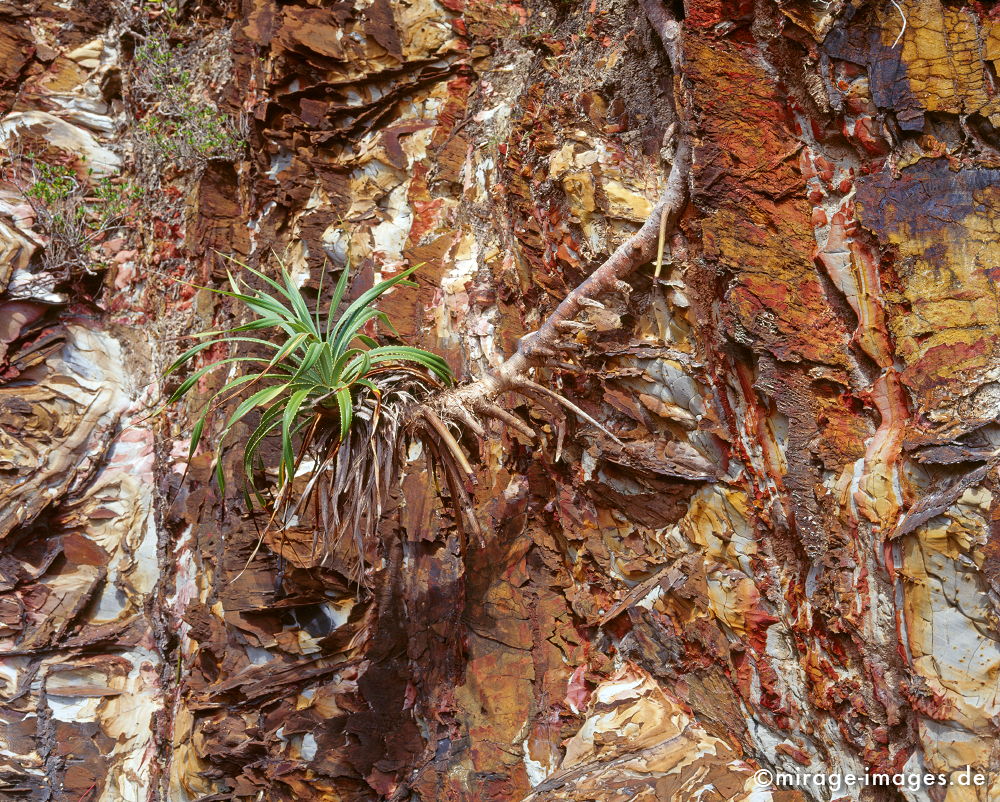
point(791, 560)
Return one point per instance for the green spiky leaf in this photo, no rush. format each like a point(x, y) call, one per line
point(320, 366)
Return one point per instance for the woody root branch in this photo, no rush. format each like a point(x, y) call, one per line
point(469, 404)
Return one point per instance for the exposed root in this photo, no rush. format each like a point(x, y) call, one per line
point(558, 418)
point(528, 387)
point(491, 410)
point(461, 502)
point(570, 326)
point(472, 402)
point(448, 439)
point(660, 242)
point(469, 420)
point(536, 347)
point(480, 396)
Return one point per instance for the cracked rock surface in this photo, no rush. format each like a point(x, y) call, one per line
point(788, 558)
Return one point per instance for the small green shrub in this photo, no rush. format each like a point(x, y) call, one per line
point(177, 125)
point(318, 376)
point(75, 214)
point(52, 183)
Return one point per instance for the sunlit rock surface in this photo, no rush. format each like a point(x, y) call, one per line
point(792, 564)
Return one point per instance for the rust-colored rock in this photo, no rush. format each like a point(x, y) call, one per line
point(782, 552)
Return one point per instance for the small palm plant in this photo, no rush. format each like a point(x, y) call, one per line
point(337, 400)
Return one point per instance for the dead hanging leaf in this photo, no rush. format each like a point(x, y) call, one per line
point(297, 544)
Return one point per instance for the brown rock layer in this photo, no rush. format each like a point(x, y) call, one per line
point(792, 563)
